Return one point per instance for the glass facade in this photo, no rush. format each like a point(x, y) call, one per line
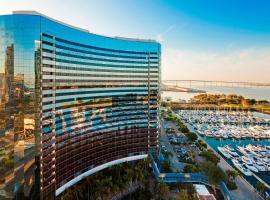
point(72, 103)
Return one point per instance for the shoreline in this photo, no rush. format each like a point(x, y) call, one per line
point(193, 106)
point(181, 89)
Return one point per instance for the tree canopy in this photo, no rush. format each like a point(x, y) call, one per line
point(214, 173)
point(162, 190)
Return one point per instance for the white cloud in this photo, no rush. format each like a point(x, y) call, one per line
point(252, 64)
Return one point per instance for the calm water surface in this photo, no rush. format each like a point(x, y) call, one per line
point(259, 93)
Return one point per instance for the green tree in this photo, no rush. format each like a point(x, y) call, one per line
point(232, 174)
point(215, 174)
point(162, 190)
point(166, 166)
point(191, 168)
point(192, 136)
point(209, 155)
point(182, 195)
point(168, 154)
point(183, 128)
point(68, 195)
point(260, 187)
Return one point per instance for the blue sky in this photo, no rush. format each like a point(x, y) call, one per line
point(201, 39)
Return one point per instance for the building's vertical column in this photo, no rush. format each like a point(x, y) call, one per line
point(48, 142)
point(38, 117)
point(154, 83)
point(148, 102)
point(159, 96)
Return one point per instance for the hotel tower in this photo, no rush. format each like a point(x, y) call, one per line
point(71, 103)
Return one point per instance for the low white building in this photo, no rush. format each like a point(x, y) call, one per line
point(203, 192)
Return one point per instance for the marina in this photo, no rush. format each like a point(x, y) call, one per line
point(227, 124)
point(241, 138)
point(252, 176)
point(248, 159)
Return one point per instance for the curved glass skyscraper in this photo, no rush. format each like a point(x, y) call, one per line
point(71, 103)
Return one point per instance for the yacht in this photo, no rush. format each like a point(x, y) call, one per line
point(230, 150)
point(233, 153)
point(251, 167)
point(228, 147)
point(247, 160)
point(225, 136)
point(237, 136)
point(267, 166)
point(260, 166)
point(241, 168)
point(229, 134)
point(224, 153)
point(217, 135)
point(241, 150)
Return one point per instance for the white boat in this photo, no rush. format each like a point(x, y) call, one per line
point(224, 153)
point(247, 160)
point(228, 147)
point(259, 165)
point(237, 136)
point(242, 150)
point(241, 168)
point(233, 153)
point(265, 160)
point(230, 150)
point(229, 134)
point(251, 167)
point(201, 132)
point(267, 166)
point(225, 136)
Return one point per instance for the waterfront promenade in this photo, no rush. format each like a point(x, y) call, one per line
point(244, 189)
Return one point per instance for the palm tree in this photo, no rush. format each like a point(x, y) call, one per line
point(182, 195)
point(261, 188)
point(68, 195)
point(139, 175)
point(162, 190)
point(90, 184)
point(78, 190)
point(215, 174)
point(115, 189)
point(147, 162)
point(232, 174)
point(107, 187)
point(129, 175)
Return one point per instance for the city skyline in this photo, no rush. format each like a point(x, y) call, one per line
point(200, 40)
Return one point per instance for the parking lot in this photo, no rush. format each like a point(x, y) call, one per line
point(176, 143)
